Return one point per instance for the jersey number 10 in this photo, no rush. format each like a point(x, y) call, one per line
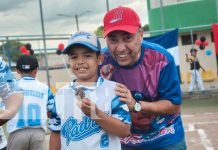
point(30, 116)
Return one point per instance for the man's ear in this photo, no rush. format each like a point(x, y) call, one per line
point(141, 35)
point(100, 59)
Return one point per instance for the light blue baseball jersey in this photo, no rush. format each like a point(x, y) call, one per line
point(38, 99)
point(79, 131)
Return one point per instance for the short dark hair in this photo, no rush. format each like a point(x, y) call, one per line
point(27, 63)
point(193, 49)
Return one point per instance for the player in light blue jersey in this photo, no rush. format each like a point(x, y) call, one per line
point(11, 98)
point(27, 129)
point(90, 114)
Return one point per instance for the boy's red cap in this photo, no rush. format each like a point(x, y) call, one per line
point(121, 18)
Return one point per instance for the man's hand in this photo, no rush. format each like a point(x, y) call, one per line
point(106, 71)
point(125, 95)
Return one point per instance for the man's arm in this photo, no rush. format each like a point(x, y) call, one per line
point(55, 141)
point(161, 107)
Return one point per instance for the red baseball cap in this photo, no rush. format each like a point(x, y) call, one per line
point(121, 18)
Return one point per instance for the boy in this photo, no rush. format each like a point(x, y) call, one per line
point(195, 67)
point(27, 128)
point(11, 98)
point(92, 117)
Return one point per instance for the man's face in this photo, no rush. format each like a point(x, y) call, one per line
point(125, 47)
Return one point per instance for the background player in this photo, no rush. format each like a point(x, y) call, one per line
point(194, 67)
point(11, 98)
point(27, 128)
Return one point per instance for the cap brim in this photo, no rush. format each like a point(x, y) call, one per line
point(68, 48)
point(126, 28)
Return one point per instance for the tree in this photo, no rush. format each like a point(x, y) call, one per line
point(145, 27)
point(100, 31)
point(10, 50)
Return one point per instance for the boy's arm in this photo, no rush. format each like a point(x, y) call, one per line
point(10, 93)
point(50, 103)
point(12, 105)
point(202, 68)
point(187, 59)
point(55, 142)
point(110, 124)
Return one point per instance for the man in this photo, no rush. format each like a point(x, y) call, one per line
point(11, 97)
point(195, 67)
point(149, 72)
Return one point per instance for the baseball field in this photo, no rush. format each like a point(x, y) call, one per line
point(200, 118)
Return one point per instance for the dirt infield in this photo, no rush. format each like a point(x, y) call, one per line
point(201, 131)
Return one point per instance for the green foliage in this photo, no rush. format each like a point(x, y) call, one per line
point(145, 27)
point(100, 31)
point(11, 50)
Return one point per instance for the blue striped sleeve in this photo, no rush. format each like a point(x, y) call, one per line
point(120, 110)
point(8, 84)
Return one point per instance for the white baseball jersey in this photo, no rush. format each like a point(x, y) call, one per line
point(79, 131)
point(8, 86)
point(3, 140)
point(38, 99)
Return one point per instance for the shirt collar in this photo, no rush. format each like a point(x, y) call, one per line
point(27, 78)
point(75, 87)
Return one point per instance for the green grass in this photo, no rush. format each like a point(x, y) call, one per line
point(206, 105)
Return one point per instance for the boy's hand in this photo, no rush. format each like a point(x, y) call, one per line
point(89, 108)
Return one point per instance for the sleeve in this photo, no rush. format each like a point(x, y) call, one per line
point(54, 122)
point(8, 84)
point(169, 85)
point(51, 101)
point(120, 110)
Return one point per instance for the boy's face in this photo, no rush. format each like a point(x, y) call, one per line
point(194, 53)
point(84, 63)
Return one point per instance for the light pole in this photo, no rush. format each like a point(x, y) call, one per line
point(44, 42)
point(217, 10)
point(162, 16)
point(107, 3)
point(76, 17)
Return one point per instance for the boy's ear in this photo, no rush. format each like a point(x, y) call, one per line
point(18, 71)
point(100, 59)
